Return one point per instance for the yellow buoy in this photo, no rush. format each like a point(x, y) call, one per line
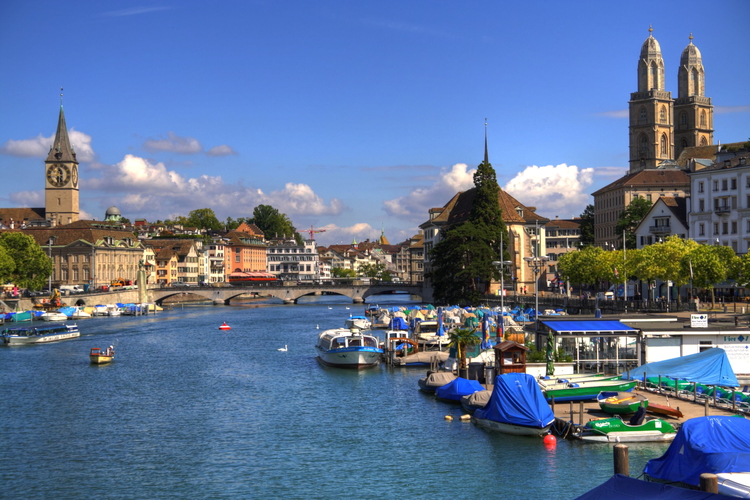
point(448, 417)
point(465, 417)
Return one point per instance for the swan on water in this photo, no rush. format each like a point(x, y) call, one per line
point(284, 349)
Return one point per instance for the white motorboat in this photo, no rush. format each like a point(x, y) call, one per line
point(28, 335)
point(53, 316)
point(359, 322)
point(348, 348)
point(80, 314)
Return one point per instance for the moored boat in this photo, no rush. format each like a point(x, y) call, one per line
point(359, 322)
point(476, 401)
point(615, 430)
point(348, 348)
point(584, 391)
point(28, 335)
point(456, 389)
point(516, 406)
point(98, 357)
point(666, 411)
point(619, 403)
point(53, 316)
point(433, 380)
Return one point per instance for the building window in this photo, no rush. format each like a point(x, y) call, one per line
point(716, 228)
point(702, 205)
point(700, 187)
point(724, 228)
point(716, 185)
point(734, 227)
point(664, 145)
point(702, 229)
point(648, 197)
point(734, 183)
point(643, 115)
point(723, 184)
point(663, 114)
point(703, 119)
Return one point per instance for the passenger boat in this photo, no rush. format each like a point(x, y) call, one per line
point(516, 406)
point(584, 391)
point(27, 335)
point(348, 348)
point(618, 403)
point(615, 430)
point(357, 322)
point(98, 357)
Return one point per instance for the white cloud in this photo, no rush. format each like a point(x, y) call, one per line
point(335, 235)
point(620, 113)
point(173, 143)
point(416, 204)
point(222, 150)
point(557, 190)
point(28, 198)
point(38, 147)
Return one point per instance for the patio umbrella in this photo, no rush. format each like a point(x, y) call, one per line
point(550, 353)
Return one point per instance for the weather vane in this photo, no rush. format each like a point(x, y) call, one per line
point(61, 95)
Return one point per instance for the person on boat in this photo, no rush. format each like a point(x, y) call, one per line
point(110, 351)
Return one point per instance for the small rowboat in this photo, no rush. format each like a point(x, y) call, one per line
point(620, 403)
point(98, 357)
point(666, 411)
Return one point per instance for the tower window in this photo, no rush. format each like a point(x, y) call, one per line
point(664, 145)
point(703, 119)
point(643, 115)
point(663, 115)
point(683, 119)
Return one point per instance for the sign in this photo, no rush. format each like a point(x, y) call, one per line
point(699, 321)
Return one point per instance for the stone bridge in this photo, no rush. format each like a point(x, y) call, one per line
point(288, 294)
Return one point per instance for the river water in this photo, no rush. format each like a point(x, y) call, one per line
point(187, 411)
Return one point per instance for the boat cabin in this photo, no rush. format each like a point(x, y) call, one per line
point(426, 327)
point(341, 339)
point(510, 357)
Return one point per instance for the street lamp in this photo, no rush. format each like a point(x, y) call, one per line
point(536, 264)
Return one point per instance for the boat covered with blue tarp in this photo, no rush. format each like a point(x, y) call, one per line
point(715, 444)
point(620, 487)
point(516, 406)
point(458, 388)
point(710, 367)
point(398, 324)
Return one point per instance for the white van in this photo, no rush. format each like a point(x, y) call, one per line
point(68, 289)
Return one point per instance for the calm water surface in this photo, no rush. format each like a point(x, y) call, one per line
point(189, 412)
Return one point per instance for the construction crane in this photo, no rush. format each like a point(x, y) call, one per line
point(312, 232)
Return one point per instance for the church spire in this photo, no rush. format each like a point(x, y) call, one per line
point(61, 149)
point(486, 154)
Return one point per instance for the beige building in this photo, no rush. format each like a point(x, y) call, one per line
point(176, 260)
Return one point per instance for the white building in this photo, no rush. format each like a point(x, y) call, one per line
point(290, 261)
point(667, 217)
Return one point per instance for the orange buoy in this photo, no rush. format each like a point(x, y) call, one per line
point(550, 440)
point(225, 327)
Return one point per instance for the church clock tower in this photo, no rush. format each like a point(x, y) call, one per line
point(651, 133)
point(61, 174)
point(694, 114)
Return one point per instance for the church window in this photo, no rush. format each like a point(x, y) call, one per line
point(663, 114)
point(683, 119)
point(703, 119)
point(654, 76)
point(643, 115)
point(644, 145)
point(703, 141)
point(664, 145)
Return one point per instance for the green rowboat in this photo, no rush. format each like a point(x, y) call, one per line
point(585, 391)
point(620, 403)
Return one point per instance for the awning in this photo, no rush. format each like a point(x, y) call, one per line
point(595, 327)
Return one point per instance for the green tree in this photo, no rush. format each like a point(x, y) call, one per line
point(630, 218)
point(32, 266)
point(371, 270)
point(707, 267)
point(340, 272)
point(587, 226)
point(463, 257)
point(587, 266)
point(204, 218)
point(273, 223)
point(460, 338)
point(7, 266)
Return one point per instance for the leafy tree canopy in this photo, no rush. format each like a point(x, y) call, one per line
point(273, 223)
point(7, 266)
point(630, 218)
point(204, 218)
point(32, 266)
point(587, 226)
point(372, 270)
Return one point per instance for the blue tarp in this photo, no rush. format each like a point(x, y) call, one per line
point(588, 326)
point(458, 388)
point(398, 324)
point(517, 399)
point(704, 444)
point(621, 487)
point(710, 367)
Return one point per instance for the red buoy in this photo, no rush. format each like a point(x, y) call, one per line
point(550, 440)
point(225, 327)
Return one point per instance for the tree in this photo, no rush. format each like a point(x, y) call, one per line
point(7, 266)
point(340, 272)
point(273, 223)
point(460, 338)
point(463, 258)
point(584, 267)
point(587, 226)
point(372, 270)
point(204, 218)
point(707, 268)
point(630, 218)
point(32, 266)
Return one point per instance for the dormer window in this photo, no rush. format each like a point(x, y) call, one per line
point(519, 211)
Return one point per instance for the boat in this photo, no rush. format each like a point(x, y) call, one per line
point(348, 348)
point(457, 388)
point(80, 314)
point(426, 333)
point(715, 444)
point(421, 359)
point(100, 310)
point(98, 357)
point(17, 317)
point(28, 335)
point(585, 391)
point(616, 430)
point(113, 310)
point(666, 411)
point(357, 322)
point(53, 316)
point(618, 403)
point(224, 326)
point(476, 401)
point(516, 406)
point(433, 380)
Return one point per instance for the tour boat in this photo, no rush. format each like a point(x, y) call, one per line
point(348, 348)
point(28, 335)
point(98, 357)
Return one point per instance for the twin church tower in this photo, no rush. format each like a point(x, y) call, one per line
point(662, 127)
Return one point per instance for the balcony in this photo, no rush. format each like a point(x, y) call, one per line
point(660, 229)
point(722, 210)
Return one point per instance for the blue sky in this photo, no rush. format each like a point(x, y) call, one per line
point(349, 116)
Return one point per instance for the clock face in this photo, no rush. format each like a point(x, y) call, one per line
point(58, 175)
point(74, 176)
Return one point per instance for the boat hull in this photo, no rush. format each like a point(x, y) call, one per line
point(353, 357)
point(615, 430)
point(100, 359)
point(40, 335)
point(586, 392)
point(507, 428)
point(629, 437)
point(621, 403)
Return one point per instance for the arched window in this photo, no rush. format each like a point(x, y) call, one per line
point(663, 114)
point(703, 119)
point(684, 143)
point(663, 145)
point(644, 145)
point(683, 119)
point(643, 116)
point(654, 76)
point(703, 141)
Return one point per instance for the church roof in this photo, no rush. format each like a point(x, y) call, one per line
point(61, 149)
point(651, 48)
point(88, 231)
point(691, 56)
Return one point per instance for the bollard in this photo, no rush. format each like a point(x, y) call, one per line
point(580, 412)
point(571, 412)
point(709, 483)
point(552, 404)
point(622, 462)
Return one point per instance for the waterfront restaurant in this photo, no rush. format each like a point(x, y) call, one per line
point(594, 346)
